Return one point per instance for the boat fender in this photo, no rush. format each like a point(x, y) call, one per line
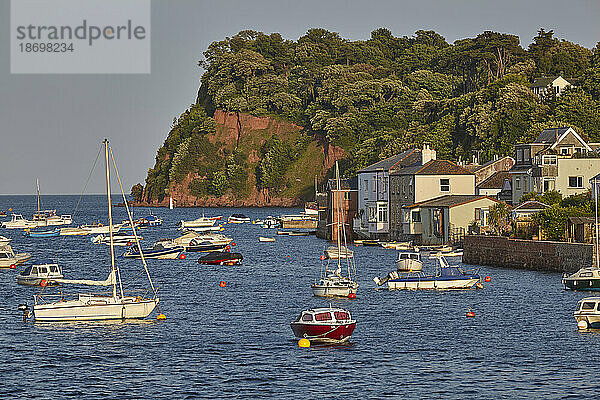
point(182, 256)
point(222, 284)
point(44, 283)
point(12, 266)
point(582, 325)
point(322, 257)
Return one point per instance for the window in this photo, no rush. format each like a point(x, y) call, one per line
point(518, 183)
point(26, 271)
point(34, 271)
point(549, 160)
point(526, 155)
point(372, 216)
point(43, 270)
point(519, 155)
point(307, 317)
point(576, 181)
point(341, 315)
point(586, 275)
point(565, 151)
point(416, 216)
point(477, 214)
point(53, 268)
point(548, 184)
point(374, 184)
point(366, 189)
point(347, 196)
point(323, 316)
point(444, 185)
point(382, 211)
point(588, 306)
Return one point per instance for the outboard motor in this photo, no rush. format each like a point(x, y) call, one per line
point(24, 308)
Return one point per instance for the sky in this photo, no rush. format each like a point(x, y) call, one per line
point(52, 125)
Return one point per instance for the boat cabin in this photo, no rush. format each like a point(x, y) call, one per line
point(38, 271)
point(588, 305)
point(409, 256)
point(325, 316)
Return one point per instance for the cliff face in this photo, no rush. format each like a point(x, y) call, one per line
point(245, 135)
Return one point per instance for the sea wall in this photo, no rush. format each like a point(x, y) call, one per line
point(500, 251)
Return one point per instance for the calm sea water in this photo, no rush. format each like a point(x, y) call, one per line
point(235, 342)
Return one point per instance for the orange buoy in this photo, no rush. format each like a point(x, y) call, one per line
point(13, 266)
point(10, 209)
point(322, 257)
point(128, 243)
point(182, 256)
point(43, 283)
point(352, 295)
point(233, 243)
point(488, 279)
point(222, 284)
point(470, 314)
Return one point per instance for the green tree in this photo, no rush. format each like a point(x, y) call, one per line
point(499, 217)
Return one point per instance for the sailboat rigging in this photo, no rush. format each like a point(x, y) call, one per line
point(332, 282)
point(94, 307)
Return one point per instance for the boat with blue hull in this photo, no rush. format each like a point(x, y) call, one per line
point(446, 277)
point(42, 234)
point(157, 251)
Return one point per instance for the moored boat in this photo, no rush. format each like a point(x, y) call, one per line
point(197, 223)
point(42, 234)
point(73, 232)
point(265, 239)
point(150, 220)
point(445, 277)
point(238, 219)
point(325, 325)
point(8, 258)
point(221, 258)
point(209, 242)
point(409, 261)
point(587, 313)
point(40, 272)
point(118, 239)
point(335, 252)
point(18, 222)
point(158, 251)
point(4, 241)
point(587, 278)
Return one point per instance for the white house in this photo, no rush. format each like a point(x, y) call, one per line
point(557, 84)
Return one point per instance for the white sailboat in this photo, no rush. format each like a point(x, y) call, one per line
point(332, 283)
point(95, 307)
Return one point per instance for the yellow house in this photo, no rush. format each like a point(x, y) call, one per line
point(446, 219)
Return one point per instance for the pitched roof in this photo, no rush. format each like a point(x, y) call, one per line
point(388, 163)
point(596, 177)
point(581, 220)
point(495, 181)
point(550, 135)
point(531, 205)
point(544, 81)
point(434, 167)
point(451, 200)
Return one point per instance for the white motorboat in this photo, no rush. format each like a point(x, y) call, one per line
point(117, 239)
point(18, 222)
point(335, 252)
point(445, 277)
point(332, 283)
point(587, 313)
point(266, 239)
point(4, 241)
point(209, 242)
point(99, 228)
point(197, 223)
point(238, 219)
point(73, 232)
point(40, 273)
point(94, 307)
point(10, 259)
point(216, 228)
point(409, 261)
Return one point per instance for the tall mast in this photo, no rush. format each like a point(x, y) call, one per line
point(596, 224)
point(37, 185)
point(339, 209)
point(110, 223)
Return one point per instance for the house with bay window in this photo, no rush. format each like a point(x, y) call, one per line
point(558, 159)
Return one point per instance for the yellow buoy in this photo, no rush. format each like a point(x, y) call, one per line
point(161, 317)
point(303, 343)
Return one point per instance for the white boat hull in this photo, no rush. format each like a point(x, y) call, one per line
point(457, 284)
point(94, 308)
point(407, 264)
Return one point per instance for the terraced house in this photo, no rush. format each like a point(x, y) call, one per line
point(558, 159)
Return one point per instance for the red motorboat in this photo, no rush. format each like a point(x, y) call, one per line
point(329, 325)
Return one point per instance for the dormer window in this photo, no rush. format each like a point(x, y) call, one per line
point(526, 155)
point(549, 160)
point(519, 155)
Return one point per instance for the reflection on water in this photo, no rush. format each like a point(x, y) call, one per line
point(237, 342)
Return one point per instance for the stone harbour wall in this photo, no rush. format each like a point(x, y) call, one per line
point(498, 251)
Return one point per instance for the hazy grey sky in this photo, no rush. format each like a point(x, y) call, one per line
point(51, 126)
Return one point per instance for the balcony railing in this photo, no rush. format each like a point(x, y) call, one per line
point(544, 171)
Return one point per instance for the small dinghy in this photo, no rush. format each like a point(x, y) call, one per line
point(221, 258)
point(40, 272)
point(158, 251)
point(42, 234)
point(324, 325)
point(333, 252)
point(265, 239)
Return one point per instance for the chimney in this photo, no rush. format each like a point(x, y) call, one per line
point(427, 154)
